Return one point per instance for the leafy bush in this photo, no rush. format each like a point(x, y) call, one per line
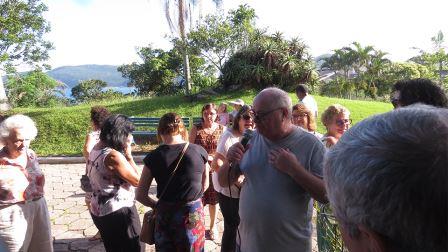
point(88, 90)
point(35, 89)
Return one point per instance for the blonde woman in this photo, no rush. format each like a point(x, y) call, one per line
point(336, 118)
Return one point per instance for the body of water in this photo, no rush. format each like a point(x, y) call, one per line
point(123, 90)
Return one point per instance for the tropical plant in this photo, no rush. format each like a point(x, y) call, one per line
point(269, 60)
point(357, 70)
point(21, 38)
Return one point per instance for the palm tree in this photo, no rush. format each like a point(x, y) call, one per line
point(182, 15)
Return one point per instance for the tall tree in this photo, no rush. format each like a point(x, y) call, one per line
point(181, 15)
point(217, 37)
point(436, 60)
point(22, 27)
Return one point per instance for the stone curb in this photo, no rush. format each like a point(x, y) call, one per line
point(75, 160)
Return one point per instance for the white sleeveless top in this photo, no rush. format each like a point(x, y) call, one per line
point(110, 192)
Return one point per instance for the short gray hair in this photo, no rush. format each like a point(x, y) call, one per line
point(277, 98)
point(23, 122)
point(389, 174)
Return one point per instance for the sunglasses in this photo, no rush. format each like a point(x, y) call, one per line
point(300, 115)
point(395, 102)
point(259, 116)
point(343, 122)
point(246, 117)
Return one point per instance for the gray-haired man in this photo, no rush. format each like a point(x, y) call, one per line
point(283, 170)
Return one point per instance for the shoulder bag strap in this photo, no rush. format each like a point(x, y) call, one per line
point(175, 169)
point(88, 171)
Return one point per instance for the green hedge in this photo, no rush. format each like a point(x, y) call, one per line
point(62, 130)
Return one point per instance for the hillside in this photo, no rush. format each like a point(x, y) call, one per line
point(62, 130)
point(72, 75)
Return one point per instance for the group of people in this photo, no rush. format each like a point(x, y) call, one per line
point(385, 178)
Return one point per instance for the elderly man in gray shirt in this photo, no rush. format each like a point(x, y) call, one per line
point(283, 171)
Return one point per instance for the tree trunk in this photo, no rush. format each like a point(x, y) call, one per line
point(188, 81)
point(181, 21)
point(4, 105)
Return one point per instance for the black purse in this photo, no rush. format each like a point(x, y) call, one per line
point(85, 180)
point(85, 183)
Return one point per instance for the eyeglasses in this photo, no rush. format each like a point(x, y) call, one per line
point(301, 115)
point(343, 122)
point(259, 116)
point(246, 117)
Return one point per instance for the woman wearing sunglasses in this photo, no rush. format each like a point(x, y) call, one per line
point(336, 118)
point(228, 197)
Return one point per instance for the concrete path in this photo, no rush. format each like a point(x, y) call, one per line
point(70, 220)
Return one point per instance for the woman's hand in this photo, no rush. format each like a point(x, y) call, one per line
point(128, 148)
point(124, 168)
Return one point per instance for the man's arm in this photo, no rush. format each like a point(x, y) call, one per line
point(286, 162)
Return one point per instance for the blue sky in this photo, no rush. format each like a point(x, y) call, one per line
point(83, 2)
point(108, 31)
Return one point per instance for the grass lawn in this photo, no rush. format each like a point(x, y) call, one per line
point(62, 130)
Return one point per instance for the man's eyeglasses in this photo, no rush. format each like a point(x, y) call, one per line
point(258, 116)
point(343, 122)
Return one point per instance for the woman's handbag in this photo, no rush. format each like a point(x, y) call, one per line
point(85, 183)
point(149, 219)
point(85, 180)
point(148, 227)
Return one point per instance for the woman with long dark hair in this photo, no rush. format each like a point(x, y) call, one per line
point(113, 175)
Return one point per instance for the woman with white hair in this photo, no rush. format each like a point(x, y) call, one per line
point(24, 219)
point(386, 180)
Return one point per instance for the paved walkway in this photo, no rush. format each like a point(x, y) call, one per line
point(70, 219)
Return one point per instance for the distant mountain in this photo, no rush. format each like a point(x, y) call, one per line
point(72, 75)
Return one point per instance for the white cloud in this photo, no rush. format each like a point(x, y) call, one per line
point(107, 31)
